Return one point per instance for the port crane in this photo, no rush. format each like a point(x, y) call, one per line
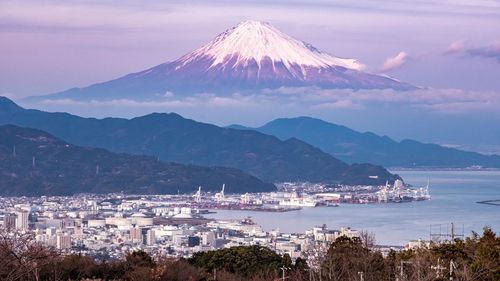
point(220, 195)
point(197, 196)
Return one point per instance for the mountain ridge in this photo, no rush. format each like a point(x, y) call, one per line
point(353, 146)
point(174, 138)
point(35, 163)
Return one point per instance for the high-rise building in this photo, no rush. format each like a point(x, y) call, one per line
point(150, 238)
point(9, 221)
point(135, 234)
point(63, 241)
point(208, 238)
point(22, 220)
point(50, 231)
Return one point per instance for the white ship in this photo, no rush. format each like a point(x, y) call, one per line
point(298, 201)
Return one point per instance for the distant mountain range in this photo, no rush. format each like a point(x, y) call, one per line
point(34, 163)
point(355, 147)
point(175, 139)
point(250, 56)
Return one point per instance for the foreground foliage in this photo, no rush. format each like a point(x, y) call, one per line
point(476, 258)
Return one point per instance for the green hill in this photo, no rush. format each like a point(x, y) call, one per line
point(34, 163)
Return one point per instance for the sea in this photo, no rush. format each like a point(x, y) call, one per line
point(455, 197)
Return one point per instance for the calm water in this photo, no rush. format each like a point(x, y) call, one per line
point(454, 196)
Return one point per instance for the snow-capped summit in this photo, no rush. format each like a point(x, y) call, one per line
point(257, 41)
point(248, 57)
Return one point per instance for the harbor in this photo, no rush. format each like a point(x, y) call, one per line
point(454, 199)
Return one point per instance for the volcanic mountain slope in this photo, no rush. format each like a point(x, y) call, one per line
point(352, 146)
point(250, 56)
point(174, 138)
point(34, 163)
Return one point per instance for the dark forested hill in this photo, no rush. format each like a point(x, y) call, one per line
point(33, 162)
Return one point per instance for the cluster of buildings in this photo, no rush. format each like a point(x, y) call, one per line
point(108, 226)
point(322, 194)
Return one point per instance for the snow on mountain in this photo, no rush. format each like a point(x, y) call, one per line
point(255, 40)
point(246, 58)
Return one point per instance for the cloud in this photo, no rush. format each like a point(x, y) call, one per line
point(454, 101)
point(199, 100)
point(9, 95)
point(340, 104)
point(445, 101)
point(491, 51)
point(395, 62)
point(168, 94)
point(119, 103)
point(82, 15)
point(455, 47)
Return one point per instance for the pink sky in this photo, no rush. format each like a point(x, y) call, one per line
point(449, 46)
point(51, 46)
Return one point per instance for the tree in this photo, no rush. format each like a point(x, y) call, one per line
point(367, 239)
point(179, 270)
point(22, 256)
point(244, 260)
point(347, 259)
point(75, 267)
point(486, 262)
point(139, 259)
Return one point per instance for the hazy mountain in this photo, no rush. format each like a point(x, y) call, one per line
point(174, 138)
point(250, 56)
point(353, 147)
point(33, 162)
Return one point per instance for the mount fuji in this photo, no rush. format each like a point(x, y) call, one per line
point(251, 56)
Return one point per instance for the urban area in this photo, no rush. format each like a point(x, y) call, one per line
point(109, 226)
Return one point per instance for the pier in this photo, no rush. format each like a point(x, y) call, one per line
point(495, 202)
